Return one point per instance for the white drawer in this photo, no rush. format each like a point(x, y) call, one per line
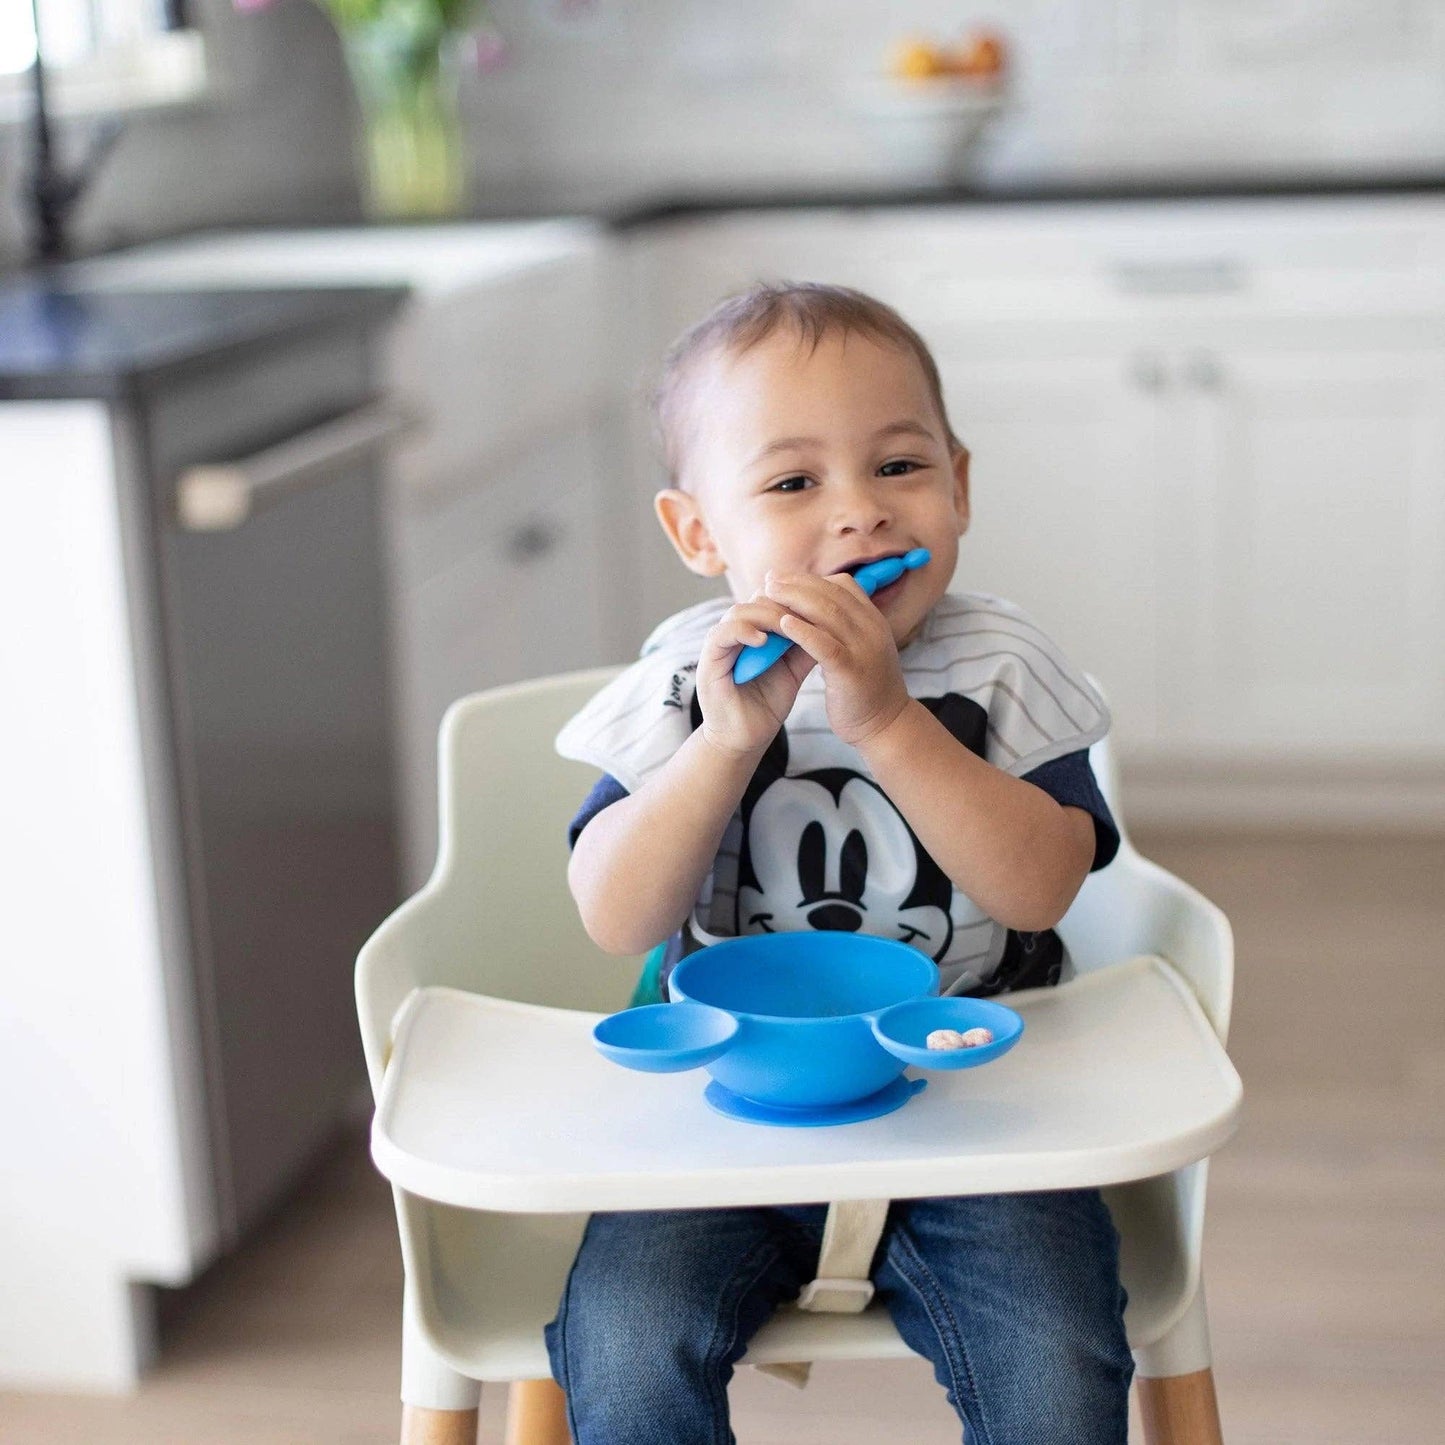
point(498, 584)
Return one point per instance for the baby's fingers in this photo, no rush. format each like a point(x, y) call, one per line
point(821, 645)
point(833, 602)
point(758, 616)
point(745, 624)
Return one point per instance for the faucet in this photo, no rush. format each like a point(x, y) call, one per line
point(55, 190)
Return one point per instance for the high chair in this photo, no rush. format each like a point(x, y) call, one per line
point(501, 1128)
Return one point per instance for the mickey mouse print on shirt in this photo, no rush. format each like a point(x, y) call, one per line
point(829, 851)
point(824, 847)
point(816, 843)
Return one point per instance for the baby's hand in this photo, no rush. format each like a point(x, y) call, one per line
point(834, 622)
point(745, 719)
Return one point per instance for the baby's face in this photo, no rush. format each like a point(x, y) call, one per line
point(819, 461)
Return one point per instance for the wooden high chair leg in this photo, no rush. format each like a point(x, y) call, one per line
point(1180, 1409)
point(420, 1426)
point(537, 1413)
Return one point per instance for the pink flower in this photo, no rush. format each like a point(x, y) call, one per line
point(486, 51)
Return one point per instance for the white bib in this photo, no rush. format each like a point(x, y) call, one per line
point(816, 843)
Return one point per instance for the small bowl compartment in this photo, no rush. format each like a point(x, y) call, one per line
point(904, 1029)
point(665, 1038)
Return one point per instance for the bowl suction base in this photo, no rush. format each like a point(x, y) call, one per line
point(890, 1097)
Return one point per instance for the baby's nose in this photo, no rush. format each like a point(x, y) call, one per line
point(861, 512)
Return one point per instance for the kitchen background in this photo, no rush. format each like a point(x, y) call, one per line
point(1188, 294)
point(574, 116)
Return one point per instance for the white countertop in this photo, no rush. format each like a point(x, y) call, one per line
point(427, 258)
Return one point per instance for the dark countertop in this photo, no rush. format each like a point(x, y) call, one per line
point(60, 344)
point(57, 344)
point(646, 211)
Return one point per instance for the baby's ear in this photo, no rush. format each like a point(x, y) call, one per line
point(960, 488)
point(682, 520)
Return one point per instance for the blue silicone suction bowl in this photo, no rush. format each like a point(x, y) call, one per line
point(801, 1028)
point(805, 1005)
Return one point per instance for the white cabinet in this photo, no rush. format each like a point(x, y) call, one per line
point(1065, 516)
point(1242, 540)
point(502, 582)
point(503, 561)
point(1308, 493)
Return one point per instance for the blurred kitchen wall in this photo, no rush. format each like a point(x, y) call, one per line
point(599, 102)
point(271, 142)
point(602, 100)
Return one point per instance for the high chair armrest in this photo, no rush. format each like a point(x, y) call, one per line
point(1134, 907)
point(387, 974)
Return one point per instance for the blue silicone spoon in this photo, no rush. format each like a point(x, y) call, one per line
point(754, 661)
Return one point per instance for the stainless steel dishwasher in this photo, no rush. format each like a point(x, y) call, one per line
point(258, 500)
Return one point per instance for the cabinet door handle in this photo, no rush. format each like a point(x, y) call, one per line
point(1200, 276)
point(219, 496)
point(533, 539)
point(1147, 370)
point(1202, 369)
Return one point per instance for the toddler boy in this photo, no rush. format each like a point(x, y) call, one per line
point(915, 767)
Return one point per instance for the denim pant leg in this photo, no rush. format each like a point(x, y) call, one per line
point(1016, 1299)
point(659, 1306)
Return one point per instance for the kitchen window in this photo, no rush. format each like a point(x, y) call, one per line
point(99, 55)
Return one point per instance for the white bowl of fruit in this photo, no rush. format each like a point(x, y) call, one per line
point(934, 101)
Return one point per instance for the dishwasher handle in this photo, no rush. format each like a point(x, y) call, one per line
point(220, 496)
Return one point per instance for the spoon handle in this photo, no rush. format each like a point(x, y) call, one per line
point(754, 661)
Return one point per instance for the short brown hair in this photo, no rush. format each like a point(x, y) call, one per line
point(813, 310)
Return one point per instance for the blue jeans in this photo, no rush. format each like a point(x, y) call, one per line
point(1014, 1297)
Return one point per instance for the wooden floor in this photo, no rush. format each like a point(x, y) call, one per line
point(1323, 1250)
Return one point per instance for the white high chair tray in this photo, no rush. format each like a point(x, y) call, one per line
point(490, 1104)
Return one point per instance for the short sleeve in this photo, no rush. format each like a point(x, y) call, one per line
point(605, 791)
point(1071, 783)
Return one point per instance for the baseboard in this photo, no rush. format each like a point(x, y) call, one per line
point(1304, 797)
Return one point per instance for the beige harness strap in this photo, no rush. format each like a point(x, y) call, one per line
point(850, 1237)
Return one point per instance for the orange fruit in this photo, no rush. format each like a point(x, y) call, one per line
point(914, 59)
point(982, 54)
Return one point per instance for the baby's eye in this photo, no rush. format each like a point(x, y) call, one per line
point(790, 484)
point(901, 462)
